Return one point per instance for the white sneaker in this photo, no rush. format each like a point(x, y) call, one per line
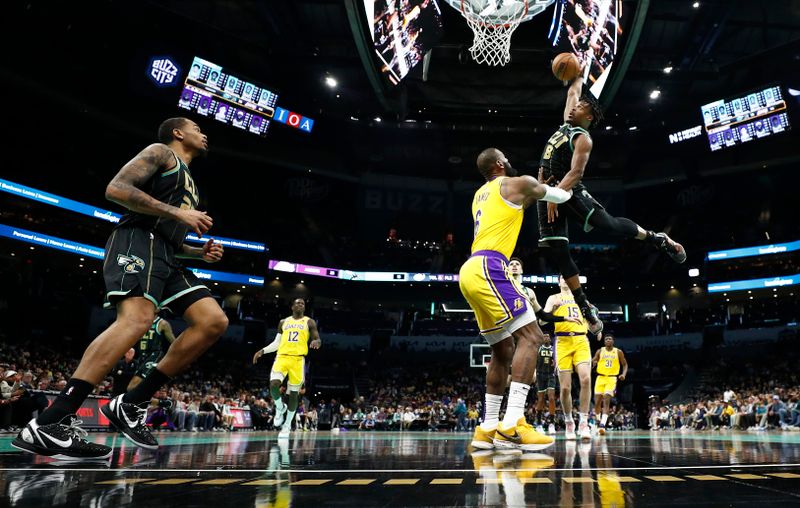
point(551, 429)
point(584, 431)
point(280, 416)
point(284, 433)
point(569, 434)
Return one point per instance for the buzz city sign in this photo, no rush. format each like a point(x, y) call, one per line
point(163, 71)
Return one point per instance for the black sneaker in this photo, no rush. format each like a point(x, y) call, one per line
point(64, 441)
point(666, 244)
point(129, 419)
point(592, 316)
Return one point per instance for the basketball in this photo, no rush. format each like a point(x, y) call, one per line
point(566, 67)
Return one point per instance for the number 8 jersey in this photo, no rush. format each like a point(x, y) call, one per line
point(294, 337)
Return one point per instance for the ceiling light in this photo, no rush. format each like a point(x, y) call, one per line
point(331, 81)
point(667, 69)
point(608, 127)
point(378, 119)
point(655, 93)
point(696, 5)
point(632, 128)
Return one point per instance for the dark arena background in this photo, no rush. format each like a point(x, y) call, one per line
point(341, 167)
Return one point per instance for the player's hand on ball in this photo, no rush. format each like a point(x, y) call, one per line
point(212, 251)
point(552, 212)
point(315, 344)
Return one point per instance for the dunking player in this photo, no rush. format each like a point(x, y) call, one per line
point(142, 275)
point(564, 159)
point(152, 347)
point(291, 343)
point(608, 360)
point(572, 351)
point(501, 309)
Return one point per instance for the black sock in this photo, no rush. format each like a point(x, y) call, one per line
point(580, 297)
point(145, 390)
point(67, 402)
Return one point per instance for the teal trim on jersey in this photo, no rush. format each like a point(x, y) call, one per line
point(574, 131)
point(167, 173)
point(108, 305)
point(181, 293)
point(586, 226)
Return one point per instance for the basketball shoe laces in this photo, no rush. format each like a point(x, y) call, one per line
point(75, 431)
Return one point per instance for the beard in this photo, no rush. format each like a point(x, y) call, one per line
point(510, 170)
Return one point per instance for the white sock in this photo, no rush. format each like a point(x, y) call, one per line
point(584, 417)
point(491, 411)
point(279, 404)
point(603, 419)
point(287, 424)
point(517, 397)
point(568, 418)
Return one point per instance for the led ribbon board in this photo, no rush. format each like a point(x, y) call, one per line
point(758, 250)
point(344, 274)
point(91, 251)
point(769, 282)
point(99, 213)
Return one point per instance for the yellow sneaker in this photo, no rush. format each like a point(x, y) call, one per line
point(483, 439)
point(522, 437)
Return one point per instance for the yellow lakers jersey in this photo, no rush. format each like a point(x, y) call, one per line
point(608, 365)
point(497, 220)
point(569, 308)
point(294, 337)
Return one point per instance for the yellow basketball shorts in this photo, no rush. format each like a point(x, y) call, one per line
point(293, 366)
point(605, 384)
point(499, 305)
point(572, 351)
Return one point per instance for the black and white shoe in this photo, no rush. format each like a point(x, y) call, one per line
point(130, 420)
point(592, 316)
point(666, 244)
point(280, 416)
point(64, 441)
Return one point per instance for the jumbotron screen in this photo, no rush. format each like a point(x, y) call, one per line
point(591, 30)
point(402, 31)
point(209, 90)
point(746, 118)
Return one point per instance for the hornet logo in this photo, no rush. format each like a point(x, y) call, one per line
point(131, 264)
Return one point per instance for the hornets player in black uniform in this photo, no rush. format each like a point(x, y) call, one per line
point(142, 276)
point(151, 348)
point(546, 384)
point(564, 161)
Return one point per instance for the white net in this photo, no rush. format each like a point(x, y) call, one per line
point(493, 27)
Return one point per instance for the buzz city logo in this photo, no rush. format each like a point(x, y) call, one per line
point(163, 71)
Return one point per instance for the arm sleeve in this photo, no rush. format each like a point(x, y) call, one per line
point(273, 346)
point(548, 317)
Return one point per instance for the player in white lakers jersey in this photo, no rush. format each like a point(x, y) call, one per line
point(608, 361)
point(501, 309)
point(291, 343)
point(572, 352)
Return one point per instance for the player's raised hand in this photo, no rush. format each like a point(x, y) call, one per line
point(212, 251)
point(198, 221)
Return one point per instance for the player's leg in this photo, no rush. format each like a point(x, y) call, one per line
point(135, 380)
point(565, 382)
point(296, 378)
point(599, 387)
point(551, 396)
point(597, 217)
point(279, 371)
point(584, 377)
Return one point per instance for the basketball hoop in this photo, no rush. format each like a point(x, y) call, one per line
point(493, 23)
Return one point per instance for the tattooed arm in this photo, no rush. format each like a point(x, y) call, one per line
point(125, 190)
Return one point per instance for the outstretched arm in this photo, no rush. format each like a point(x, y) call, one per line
point(596, 358)
point(124, 188)
point(525, 190)
point(272, 346)
point(573, 94)
point(580, 157)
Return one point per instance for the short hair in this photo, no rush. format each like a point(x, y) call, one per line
point(167, 126)
point(597, 109)
point(298, 298)
point(486, 160)
point(608, 335)
point(518, 260)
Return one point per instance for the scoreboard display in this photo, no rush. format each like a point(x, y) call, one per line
point(746, 118)
point(211, 91)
